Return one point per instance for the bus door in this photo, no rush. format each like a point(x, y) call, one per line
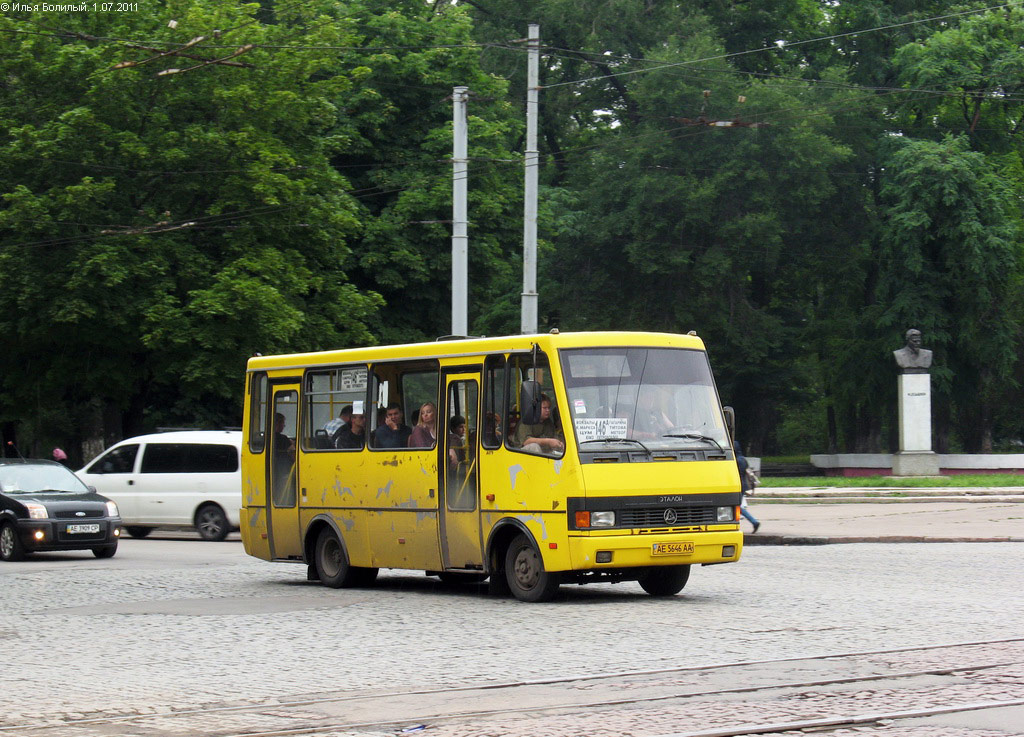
point(282, 473)
point(458, 468)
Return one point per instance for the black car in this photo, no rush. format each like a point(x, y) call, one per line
point(44, 506)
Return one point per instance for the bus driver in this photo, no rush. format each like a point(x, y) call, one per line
point(544, 437)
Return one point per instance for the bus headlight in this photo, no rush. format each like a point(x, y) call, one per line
point(726, 514)
point(602, 519)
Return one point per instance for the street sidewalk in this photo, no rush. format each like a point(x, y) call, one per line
point(823, 515)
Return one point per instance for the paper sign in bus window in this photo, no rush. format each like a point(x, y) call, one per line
point(594, 428)
point(352, 380)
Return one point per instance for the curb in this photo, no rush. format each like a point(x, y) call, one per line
point(758, 540)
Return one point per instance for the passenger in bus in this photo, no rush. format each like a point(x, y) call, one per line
point(456, 440)
point(394, 433)
point(283, 491)
point(333, 427)
point(284, 446)
point(424, 435)
point(353, 436)
point(544, 437)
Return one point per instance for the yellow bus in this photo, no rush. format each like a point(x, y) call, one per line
point(528, 461)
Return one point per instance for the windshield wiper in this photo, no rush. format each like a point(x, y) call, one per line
point(616, 440)
point(695, 436)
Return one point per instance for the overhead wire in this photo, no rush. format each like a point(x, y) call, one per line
point(777, 47)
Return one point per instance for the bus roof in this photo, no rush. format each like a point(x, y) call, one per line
point(477, 346)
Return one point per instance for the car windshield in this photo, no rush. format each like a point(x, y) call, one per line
point(657, 398)
point(23, 478)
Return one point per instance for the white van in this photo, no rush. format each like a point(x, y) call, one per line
point(173, 479)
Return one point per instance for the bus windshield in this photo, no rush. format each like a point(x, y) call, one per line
point(662, 398)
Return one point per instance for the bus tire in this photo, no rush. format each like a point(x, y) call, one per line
point(524, 569)
point(665, 580)
point(331, 561)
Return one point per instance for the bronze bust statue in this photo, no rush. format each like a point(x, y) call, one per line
point(912, 358)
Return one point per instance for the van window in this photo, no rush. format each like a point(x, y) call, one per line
point(189, 458)
point(118, 460)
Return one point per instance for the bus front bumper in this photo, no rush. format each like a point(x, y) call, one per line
point(596, 552)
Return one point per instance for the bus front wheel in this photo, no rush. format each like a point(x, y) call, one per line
point(665, 580)
point(525, 572)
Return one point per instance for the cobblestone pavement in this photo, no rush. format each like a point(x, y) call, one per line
point(173, 625)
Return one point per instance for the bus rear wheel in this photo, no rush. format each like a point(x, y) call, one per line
point(331, 562)
point(665, 580)
point(524, 569)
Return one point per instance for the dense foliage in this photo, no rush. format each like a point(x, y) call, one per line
point(204, 179)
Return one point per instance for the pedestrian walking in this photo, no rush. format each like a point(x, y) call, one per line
point(746, 487)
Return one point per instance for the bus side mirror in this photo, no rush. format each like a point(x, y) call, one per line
point(730, 421)
point(529, 403)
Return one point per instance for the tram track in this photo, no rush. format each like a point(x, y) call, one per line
point(578, 693)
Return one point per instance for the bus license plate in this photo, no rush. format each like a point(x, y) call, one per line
point(672, 549)
point(72, 529)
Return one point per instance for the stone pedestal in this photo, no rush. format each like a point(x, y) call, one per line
point(915, 407)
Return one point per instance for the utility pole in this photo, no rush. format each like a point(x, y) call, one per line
point(460, 238)
point(532, 165)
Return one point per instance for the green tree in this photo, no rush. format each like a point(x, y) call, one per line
point(950, 253)
point(159, 226)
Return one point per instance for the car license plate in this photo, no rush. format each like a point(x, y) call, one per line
point(672, 549)
point(72, 529)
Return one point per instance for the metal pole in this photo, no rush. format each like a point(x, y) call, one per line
point(460, 238)
point(532, 164)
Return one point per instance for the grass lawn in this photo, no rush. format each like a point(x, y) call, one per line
point(979, 480)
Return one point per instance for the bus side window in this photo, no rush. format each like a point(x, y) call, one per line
point(494, 402)
point(258, 413)
point(330, 397)
point(419, 387)
point(532, 367)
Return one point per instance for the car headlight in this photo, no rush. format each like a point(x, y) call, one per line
point(726, 514)
point(36, 511)
point(111, 509)
point(602, 519)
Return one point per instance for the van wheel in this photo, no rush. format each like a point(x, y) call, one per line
point(107, 552)
point(140, 532)
point(665, 580)
point(525, 572)
point(212, 523)
point(10, 544)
